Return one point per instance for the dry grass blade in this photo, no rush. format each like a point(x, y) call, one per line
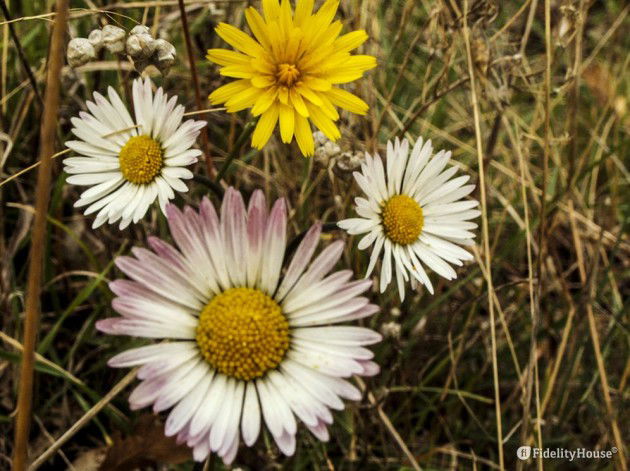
point(389, 426)
point(84, 420)
point(620, 457)
point(18, 47)
point(486, 237)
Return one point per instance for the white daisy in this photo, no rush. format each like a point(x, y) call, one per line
point(414, 212)
point(129, 164)
point(247, 339)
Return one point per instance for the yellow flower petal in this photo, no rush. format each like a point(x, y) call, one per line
point(293, 46)
point(303, 10)
point(240, 101)
point(304, 135)
point(263, 81)
point(258, 26)
point(271, 9)
point(239, 40)
point(227, 57)
point(283, 95)
point(326, 13)
point(318, 36)
point(347, 100)
point(298, 102)
point(287, 123)
point(315, 83)
point(264, 101)
point(224, 93)
point(286, 16)
point(327, 107)
point(265, 126)
point(277, 40)
point(324, 123)
point(350, 41)
point(310, 62)
point(330, 34)
point(352, 69)
point(309, 94)
point(237, 71)
point(261, 64)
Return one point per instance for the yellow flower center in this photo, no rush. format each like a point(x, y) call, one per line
point(141, 159)
point(403, 219)
point(242, 333)
point(287, 74)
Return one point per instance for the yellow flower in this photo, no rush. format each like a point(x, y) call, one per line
point(289, 71)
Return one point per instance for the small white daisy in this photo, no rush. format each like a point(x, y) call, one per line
point(248, 340)
point(129, 164)
point(414, 213)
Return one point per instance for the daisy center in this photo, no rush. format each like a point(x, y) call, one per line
point(403, 219)
point(287, 74)
point(242, 333)
point(141, 159)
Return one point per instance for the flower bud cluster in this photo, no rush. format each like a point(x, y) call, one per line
point(139, 45)
point(331, 155)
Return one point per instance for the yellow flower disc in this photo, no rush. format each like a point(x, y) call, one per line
point(287, 74)
point(243, 333)
point(403, 220)
point(141, 159)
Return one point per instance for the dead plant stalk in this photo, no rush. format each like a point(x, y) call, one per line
point(47, 148)
point(486, 244)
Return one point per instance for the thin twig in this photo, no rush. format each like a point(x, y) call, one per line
point(592, 325)
point(79, 424)
point(31, 167)
point(388, 425)
point(532, 370)
point(547, 150)
point(435, 98)
point(195, 80)
point(207, 110)
point(47, 148)
point(486, 243)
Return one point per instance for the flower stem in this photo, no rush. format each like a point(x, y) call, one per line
point(247, 131)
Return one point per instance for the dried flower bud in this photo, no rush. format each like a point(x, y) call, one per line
point(96, 39)
point(164, 56)
point(350, 161)
point(391, 330)
point(140, 29)
point(325, 149)
point(319, 138)
point(114, 39)
point(80, 52)
point(140, 44)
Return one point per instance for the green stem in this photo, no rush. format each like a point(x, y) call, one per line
point(247, 131)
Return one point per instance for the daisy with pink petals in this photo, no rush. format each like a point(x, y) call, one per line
point(249, 341)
